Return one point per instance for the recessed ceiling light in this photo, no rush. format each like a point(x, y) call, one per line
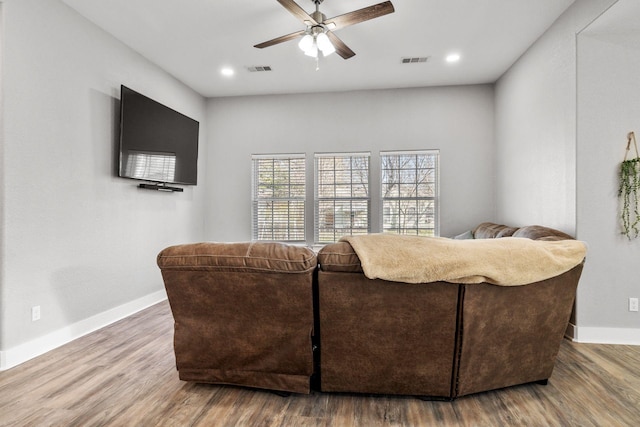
point(227, 72)
point(453, 57)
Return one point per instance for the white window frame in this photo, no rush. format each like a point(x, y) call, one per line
point(291, 202)
point(349, 190)
point(417, 190)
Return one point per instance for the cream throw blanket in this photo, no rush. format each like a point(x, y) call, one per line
point(509, 261)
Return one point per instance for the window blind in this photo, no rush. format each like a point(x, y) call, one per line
point(342, 200)
point(409, 186)
point(278, 200)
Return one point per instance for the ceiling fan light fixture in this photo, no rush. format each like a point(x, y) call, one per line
point(312, 51)
point(306, 43)
point(324, 44)
point(316, 40)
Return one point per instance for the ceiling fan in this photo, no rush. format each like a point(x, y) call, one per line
point(319, 32)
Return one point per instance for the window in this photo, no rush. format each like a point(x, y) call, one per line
point(342, 196)
point(409, 185)
point(279, 197)
point(405, 197)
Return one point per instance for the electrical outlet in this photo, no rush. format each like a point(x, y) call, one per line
point(633, 304)
point(35, 313)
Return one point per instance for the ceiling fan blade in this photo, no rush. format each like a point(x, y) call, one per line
point(280, 39)
point(341, 49)
point(359, 15)
point(298, 12)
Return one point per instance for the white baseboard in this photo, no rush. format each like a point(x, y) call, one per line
point(29, 350)
point(594, 335)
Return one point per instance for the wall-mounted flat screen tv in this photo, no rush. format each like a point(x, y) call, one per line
point(157, 143)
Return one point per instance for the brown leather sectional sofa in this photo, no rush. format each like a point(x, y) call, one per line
point(276, 316)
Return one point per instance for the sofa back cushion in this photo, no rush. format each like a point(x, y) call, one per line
point(339, 257)
point(268, 257)
point(538, 232)
point(489, 230)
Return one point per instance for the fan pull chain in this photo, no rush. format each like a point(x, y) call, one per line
point(318, 63)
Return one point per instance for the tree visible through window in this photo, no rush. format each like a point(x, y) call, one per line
point(409, 184)
point(342, 196)
point(279, 193)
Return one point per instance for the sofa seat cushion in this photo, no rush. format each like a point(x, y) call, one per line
point(247, 256)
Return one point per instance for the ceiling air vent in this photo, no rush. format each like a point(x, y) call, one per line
point(415, 60)
point(259, 68)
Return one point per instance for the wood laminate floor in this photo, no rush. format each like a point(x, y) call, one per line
point(124, 375)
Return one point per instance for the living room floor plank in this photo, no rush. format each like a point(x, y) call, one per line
point(124, 375)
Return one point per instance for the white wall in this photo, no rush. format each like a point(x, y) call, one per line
point(456, 120)
point(536, 127)
point(563, 112)
point(78, 241)
point(609, 108)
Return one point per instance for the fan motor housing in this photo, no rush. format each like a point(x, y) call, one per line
point(318, 16)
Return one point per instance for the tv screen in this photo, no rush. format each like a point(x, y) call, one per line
point(157, 143)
